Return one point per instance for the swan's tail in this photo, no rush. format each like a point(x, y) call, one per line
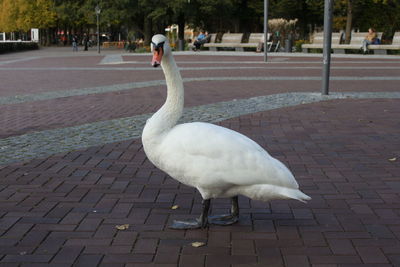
point(266, 192)
point(295, 194)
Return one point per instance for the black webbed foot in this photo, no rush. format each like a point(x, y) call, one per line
point(227, 219)
point(188, 224)
point(224, 219)
point(204, 219)
point(201, 222)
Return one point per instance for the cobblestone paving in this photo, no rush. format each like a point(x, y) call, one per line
point(129, 86)
point(63, 191)
point(45, 143)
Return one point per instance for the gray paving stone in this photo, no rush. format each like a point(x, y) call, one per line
point(49, 142)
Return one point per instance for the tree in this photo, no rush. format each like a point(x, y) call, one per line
point(8, 15)
point(349, 21)
point(22, 15)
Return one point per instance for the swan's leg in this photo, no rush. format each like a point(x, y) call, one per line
point(200, 222)
point(227, 219)
point(235, 206)
point(203, 219)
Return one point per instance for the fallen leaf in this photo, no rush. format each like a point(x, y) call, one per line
point(174, 207)
point(392, 159)
point(122, 226)
point(198, 244)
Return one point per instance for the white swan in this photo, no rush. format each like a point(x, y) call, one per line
point(217, 161)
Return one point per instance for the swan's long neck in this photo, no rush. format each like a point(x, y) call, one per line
point(168, 115)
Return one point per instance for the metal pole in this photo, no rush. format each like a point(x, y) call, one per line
point(327, 46)
point(265, 29)
point(98, 34)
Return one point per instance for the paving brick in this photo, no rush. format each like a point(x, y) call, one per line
point(296, 260)
point(88, 260)
point(188, 249)
point(145, 246)
point(298, 250)
point(270, 256)
point(68, 254)
point(127, 258)
point(220, 260)
point(50, 245)
point(114, 249)
point(371, 255)
point(125, 238)
point(219, 239)
point(89, 225)
point(243, 247)
point(37, 258)
point(339, 259)
point(7, 222)
point(33, 238)
point(18, 230)
point(341, 246)
point(166, 258)
point(192, 261)
point(72, 218)
point(58, 212)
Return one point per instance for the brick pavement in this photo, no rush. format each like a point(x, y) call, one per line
point(62, 210)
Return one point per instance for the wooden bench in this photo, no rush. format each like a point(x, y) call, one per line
point(356, 41)
point(229, 40)
point(120, 44)
point(318, 41)
point(382, 48)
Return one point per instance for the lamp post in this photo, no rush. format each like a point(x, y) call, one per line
point(98, 10)
point(327, 46)
point(265, 29)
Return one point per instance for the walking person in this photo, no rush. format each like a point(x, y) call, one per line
point(86, 42)
point(74, 44)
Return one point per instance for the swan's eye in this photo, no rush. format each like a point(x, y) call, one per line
point(157, 46)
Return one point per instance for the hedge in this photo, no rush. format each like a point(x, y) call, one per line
point(7, 47)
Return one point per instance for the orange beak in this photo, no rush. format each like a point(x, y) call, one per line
point(157, 56)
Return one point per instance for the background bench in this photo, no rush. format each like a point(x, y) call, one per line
point(114, 44)
point(318, 41)
point(382, 48)
point(356, 41)
point(254, 40)
point(229, 40)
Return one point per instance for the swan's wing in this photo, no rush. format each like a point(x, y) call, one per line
point(217, 156)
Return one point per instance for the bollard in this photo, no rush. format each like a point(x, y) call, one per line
point(181, 45)
point(288, 45)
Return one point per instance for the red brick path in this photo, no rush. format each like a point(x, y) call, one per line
point(64, 209)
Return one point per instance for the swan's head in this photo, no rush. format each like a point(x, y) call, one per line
point(160, 47)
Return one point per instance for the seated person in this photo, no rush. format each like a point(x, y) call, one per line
point(370, 38)
point(201, 39)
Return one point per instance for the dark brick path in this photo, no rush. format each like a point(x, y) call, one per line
point(63, 210)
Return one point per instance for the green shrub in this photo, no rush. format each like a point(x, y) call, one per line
point(298, 43)
point(7, 47)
